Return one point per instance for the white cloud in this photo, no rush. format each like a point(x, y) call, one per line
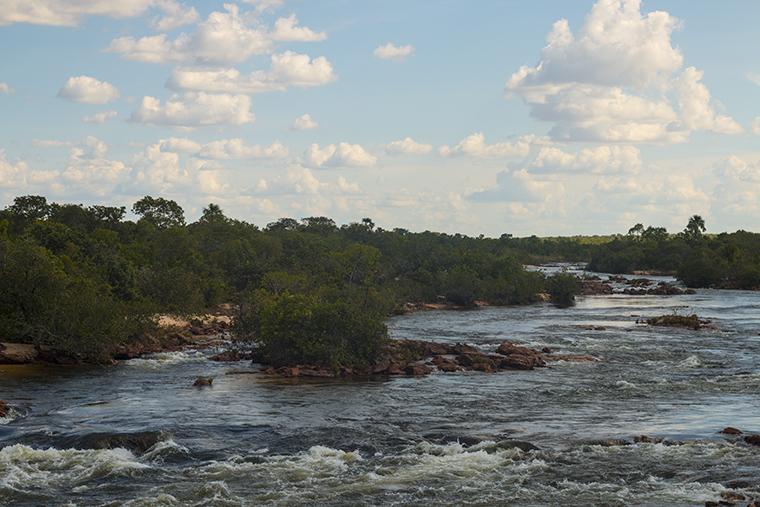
point(342, 155)
point(67, 13)
point(617, 79)
point(223, 38)
point(475, 145)
point(71, 12)
point(694, 104)
point(12, 175)
point(88, 90)
point(228, 149)
point(100, 117)
point(304, 122)
point(5, 88)
point(90, 168)
point(174, 15)
point(408, 146)
point(287, 30)
point(287, 69)
point(392, 52)
point(265, 5)
point(194, 110)
point(346, 186)
point(597, 160)
point(516, 186)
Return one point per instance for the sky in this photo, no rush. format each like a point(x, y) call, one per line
point(480, 117)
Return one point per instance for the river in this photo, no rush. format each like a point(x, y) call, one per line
point(254, 440)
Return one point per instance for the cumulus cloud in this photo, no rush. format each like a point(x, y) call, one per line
point(195, 110)
point(89, 167)
point(304, 122)
point(596, 160)
point(475, 145)
point(341, 155)
point(408, 146)
point(229, 149)
point(174, 15)
point(71, 13)
point(390, 51)
point(88, 90)
point(5, 88)
point(223, 38)
point(287, 30)
point(100, 117)
point(618, 78)
point(287, 69)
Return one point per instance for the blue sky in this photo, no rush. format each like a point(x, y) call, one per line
point(630, 112)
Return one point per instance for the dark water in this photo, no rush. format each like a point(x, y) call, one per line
point(250, 440)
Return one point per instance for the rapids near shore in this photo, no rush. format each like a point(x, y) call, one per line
point(449, 439)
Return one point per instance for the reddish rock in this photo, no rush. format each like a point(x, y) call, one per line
point(752, 439)
point(461, 348)
point(418, 370)
point(315, 371)
point(4, 409)
point(436, 349)
point(484, 366)
point(518, 362)
point(547, 350)
point(646, 439)
point(448, 367)
point(729, 430)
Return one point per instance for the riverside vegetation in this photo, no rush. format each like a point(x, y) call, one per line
point(86, 281)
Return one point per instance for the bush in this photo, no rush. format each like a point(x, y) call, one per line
point(304, 329)
point(563, 288)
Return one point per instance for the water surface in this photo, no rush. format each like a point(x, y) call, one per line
point(252, 440)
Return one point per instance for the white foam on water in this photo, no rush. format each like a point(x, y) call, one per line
point(162, 359)
point(23, 468)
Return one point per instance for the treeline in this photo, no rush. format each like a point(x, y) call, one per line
point(84, 278)
point(726, 260)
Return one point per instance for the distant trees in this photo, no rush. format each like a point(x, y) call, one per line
point(161, 213)
point(694, 228)
point(563, 287)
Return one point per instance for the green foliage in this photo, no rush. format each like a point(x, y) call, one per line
point(305, 329)
point(86, 279)
point(161, 213)
point(563, 287)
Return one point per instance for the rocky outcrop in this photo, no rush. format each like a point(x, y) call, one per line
point(17, 353)
point(418, 358)
point(683, 321)
point(137, 443)
point(595, 287)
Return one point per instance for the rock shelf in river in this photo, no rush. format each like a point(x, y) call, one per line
point(419, 358)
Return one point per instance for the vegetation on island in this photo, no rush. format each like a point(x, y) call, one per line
point(86, 279)
point(726, 260)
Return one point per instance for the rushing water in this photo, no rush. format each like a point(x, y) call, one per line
point(253, 440)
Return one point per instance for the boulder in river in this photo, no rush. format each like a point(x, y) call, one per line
point(752, 439)
point(4, 409)
point(203, 382)
point(729, 430)
point(137, 443)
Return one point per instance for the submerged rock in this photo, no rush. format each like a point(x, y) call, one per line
point(685, 321)
point(752, 439)
point(203, 381)
point(137, 443)
point(4, 409)
point(729, 430)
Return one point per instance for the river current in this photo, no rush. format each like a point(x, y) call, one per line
point(447, 439)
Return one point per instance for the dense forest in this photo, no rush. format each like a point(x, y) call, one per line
point(726, 260)
point(85, 278)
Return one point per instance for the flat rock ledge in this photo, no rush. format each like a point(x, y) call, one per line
point(419, 358)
